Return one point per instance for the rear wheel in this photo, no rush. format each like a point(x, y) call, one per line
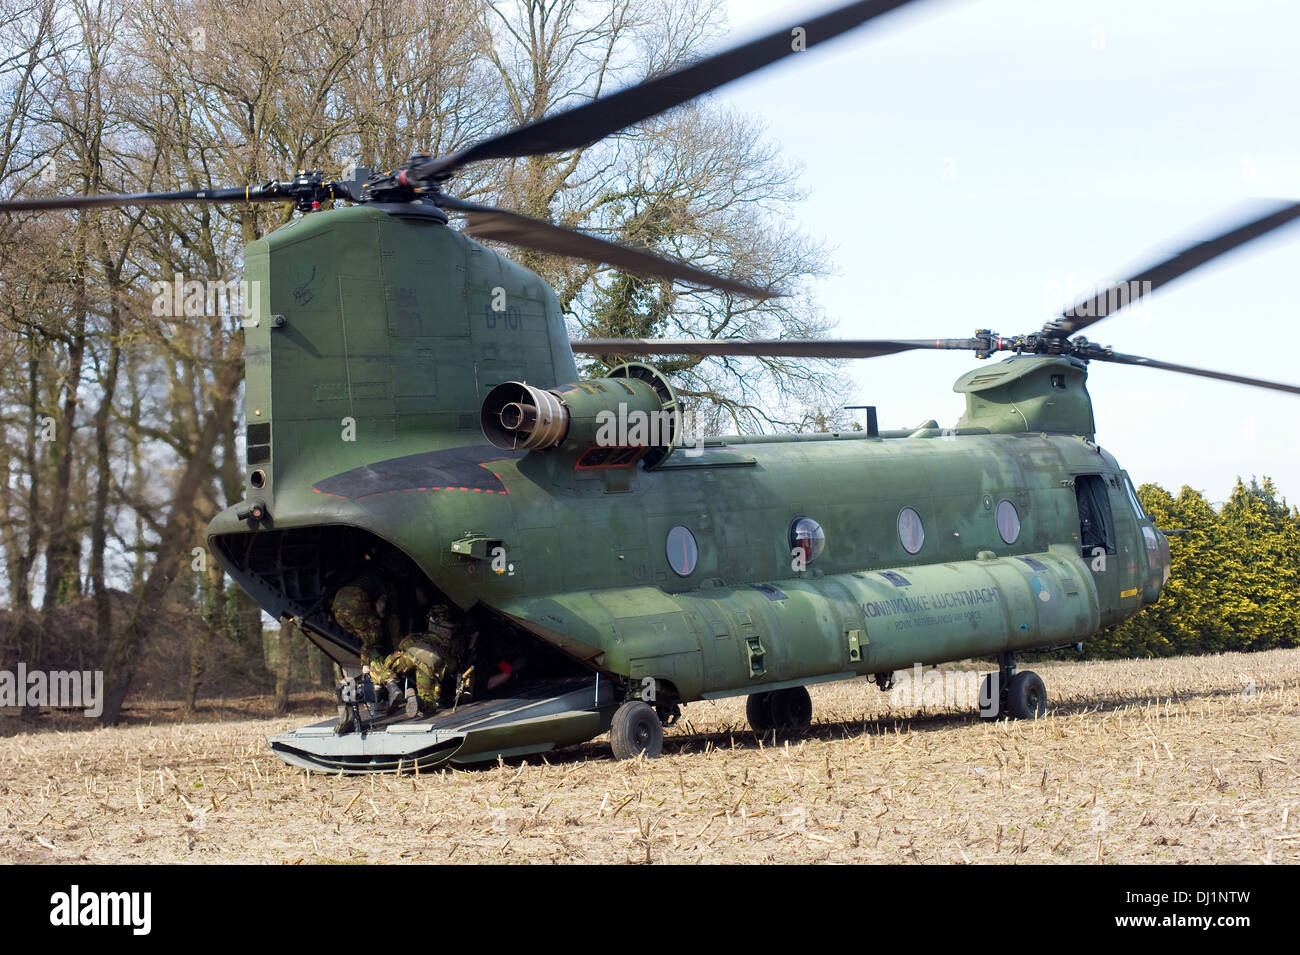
point(636, 730)
point(791, 710)
point(758, 710)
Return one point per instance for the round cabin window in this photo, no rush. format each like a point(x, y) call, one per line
point(911, 532)
point(1008, 522)
point(806, 535)
point(683, 552)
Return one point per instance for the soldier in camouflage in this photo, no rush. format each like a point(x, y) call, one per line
point(366, 608)
point(436, 658)
point(361, 608)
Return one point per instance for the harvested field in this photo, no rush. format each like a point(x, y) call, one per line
point(1190, 760)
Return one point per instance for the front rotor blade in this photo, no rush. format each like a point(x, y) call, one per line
point(1199, 372)
point(486, 222)
point(595, 120)
point(773, 348)
point(1144, 283)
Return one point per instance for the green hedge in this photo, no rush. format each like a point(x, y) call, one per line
point(1235, 582)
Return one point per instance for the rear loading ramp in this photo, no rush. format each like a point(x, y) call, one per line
point(541, 717)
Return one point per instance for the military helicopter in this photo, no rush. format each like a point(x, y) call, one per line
point(636, 570)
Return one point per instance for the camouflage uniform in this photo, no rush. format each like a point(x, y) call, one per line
point(437, 658)
point(354, 608)
point(431, 656)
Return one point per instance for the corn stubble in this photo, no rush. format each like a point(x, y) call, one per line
point(1189, 760)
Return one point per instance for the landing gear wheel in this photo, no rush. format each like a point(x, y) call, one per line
point(758, 710)
point(791, 710)
point(636, 730)
point(1026, 696)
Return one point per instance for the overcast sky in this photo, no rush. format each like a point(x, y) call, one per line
point(980, 164)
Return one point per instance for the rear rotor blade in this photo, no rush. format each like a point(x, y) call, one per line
point(486, 222)
point(773, 348)
point(229, 194)
point(1199, 372)
point(1105, 303)
point(304, 189)
point(595, 120)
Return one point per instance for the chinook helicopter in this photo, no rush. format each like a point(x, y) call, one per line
point(638, 571)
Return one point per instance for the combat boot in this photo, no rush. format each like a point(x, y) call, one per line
point(395, 700)
point(416, 708)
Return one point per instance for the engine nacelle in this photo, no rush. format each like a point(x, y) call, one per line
point(605, 422)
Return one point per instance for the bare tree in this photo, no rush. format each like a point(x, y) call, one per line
point(121, 427)
point(699, 183)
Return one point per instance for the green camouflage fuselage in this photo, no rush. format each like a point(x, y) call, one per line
point(375, 338)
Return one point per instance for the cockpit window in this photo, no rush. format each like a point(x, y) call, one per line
point(1096, 525)
point(1133, 499)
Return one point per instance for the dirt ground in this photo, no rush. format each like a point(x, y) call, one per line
point(1191, 760)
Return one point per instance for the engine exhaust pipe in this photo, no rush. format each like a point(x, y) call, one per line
point(633, 409)
point(516, 416)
